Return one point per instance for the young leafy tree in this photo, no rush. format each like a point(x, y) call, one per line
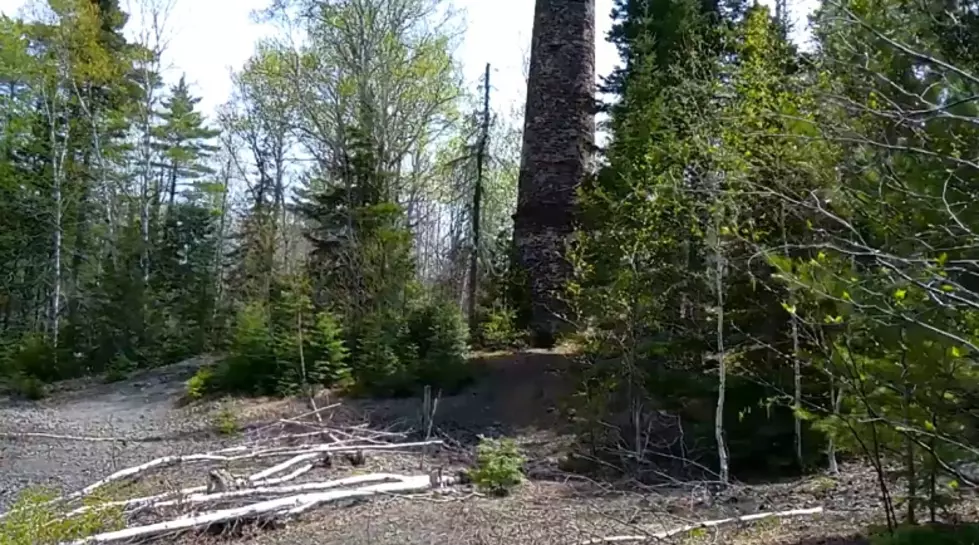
point(643, 228)
point(887, 294)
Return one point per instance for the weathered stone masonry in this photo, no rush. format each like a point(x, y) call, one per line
point(558, 141)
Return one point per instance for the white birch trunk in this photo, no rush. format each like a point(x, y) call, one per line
point(835, 396)
point(59, 151)
point(721, 368)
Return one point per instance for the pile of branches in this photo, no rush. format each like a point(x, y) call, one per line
point(272, 494)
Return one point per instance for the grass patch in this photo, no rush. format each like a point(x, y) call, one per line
point(32, 521)
point(226, 422)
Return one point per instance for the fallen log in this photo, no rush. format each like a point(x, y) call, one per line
point(279, 508)
point(280, 490)
point(168, 461)
point(136, 504)
point(266, 473)
point(705, 524)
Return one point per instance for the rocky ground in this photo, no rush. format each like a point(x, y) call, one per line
point(142, 409)
point(517, 396)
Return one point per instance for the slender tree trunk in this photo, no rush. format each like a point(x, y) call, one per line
point(57, 197)
point(722, 453)
point(796, 362)
point(476, 210)
point(219, 245)
point(721, 378)
point(932, 474)
point(835, 397)
point(172, 187)
point(307, 388)
point(59, 152)
point(79, 251)
point(146, 197)
point(909, 461)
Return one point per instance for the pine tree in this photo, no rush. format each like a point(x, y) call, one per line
point(183, 140)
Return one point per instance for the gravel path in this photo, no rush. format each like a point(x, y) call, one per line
point(547, 511)
point(142, 407)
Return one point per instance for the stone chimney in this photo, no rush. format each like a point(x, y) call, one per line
point(558, 142)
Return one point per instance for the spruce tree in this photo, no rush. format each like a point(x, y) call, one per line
point(184, 140)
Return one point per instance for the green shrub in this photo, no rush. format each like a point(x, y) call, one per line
point(393, 352)
point(327, 356)
point(226, 422)
point(203, 382)
point(28, 386)
point(251, 364)
point(498, 329)
point(34, 356)
point(32, 520)
point(499, 466)
point(930, 534)
point(437, 330)
point(265, 356)
point(119, 368)
point(383, 357)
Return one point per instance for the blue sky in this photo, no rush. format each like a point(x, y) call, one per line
point(209, 38)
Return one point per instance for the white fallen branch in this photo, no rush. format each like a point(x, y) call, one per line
point(705, 524)
point(59, 437)
point(279, 507)
point(281, 490)
point(167, 461)
point(330, 448)
point(318, 411)
point(135, 504)
point(285, 478)
point(266, 473)
point(416, 483)
point(129, 473)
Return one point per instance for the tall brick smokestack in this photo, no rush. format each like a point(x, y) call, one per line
point(558, 141)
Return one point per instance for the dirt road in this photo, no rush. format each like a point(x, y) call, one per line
point(141, 409)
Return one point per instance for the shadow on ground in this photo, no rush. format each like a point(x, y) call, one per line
point(515, 394)
point(836, 540)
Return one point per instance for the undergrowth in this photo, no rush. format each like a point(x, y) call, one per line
point(34, 520)
point(929, 534)
point(499, 466)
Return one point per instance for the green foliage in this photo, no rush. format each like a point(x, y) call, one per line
point(383, 359)
point(393, 353)
point(27, 386)
point(398, 355)
point(119, 369)
point(499, 466)
point(930, 534)
point(250, 365)
point(33, 356)
point(498, 329)
point(203, 382)
point(33, 521)
point(226, 422)
point(123, 292)
point(690, 182)
point(277, 349)
point(328, 354)
point(798, 197)
point(438, 332)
